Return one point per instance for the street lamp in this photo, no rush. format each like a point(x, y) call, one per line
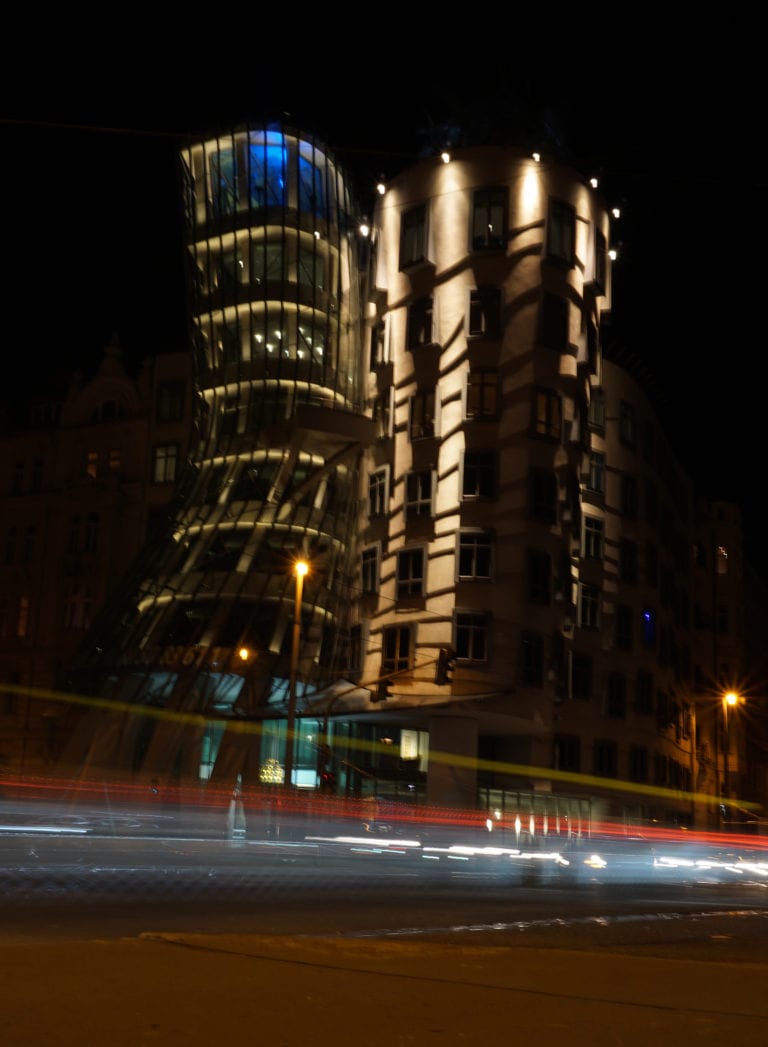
point(730, 701)
point(300, 568)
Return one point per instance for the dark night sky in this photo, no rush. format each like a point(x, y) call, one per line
point(91, 234)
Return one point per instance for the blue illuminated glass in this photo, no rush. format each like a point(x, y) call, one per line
point(311, 189)
point(267, 175)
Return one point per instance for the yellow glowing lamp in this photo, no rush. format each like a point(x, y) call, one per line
point(243, 654)
point(301, 567)
point(731, 698)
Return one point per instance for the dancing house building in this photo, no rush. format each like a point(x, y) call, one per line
point(496, 536)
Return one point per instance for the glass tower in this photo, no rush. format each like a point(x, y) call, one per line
point(205, 640)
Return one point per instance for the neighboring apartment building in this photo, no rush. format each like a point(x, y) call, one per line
point(85, 474)
point(510, 587)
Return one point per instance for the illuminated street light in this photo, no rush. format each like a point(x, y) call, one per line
point(300, 568)
point(730, 701)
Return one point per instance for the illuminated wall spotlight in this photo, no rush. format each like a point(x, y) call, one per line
point(536, 157)
point(381, 188)
point(445, 157)
point(593, 183)
point(613, 254)
point(616, 212)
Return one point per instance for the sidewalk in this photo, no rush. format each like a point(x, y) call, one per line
point(194, 990)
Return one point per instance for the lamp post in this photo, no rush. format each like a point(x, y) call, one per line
point(730, 701)
point(300, 568)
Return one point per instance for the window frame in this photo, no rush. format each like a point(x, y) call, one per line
point(490, 206)
point(413, 236)
point(378, 493)
point(561, 232)
point(482, 393)
point(410, 572)
point(471, 635)
point(482, 465)
point(416, 502)
point(476, 545)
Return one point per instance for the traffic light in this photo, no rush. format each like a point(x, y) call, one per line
point(327, 782)
point(445, 666)
point(383, 691)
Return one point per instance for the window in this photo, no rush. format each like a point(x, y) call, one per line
point(378, 345)
point(548, 414)
point(310, 267)
point(561, 232)
point(11, 538)
point(228, 342)
point(601, 259)
point(107, 411)
point(90, 537)
point(92, 464)
point(230, 269)
point(628, 561)
point(651, 502)
point(267, 262)
point(413, 236)
point(539, 572)
point(479, 475)
point(482, 393)
point(589, 604)
point(616, 697)
point(214, 483)
point(475, 559)
point(225, 550)
point(624, 620)
point(627, 432)
point(553, 327)
point(382, 415)
point(581, 676)
point(165, 462)
point(628, 496)
point(395, 649)
point(485, 312)
point(419, 329)
point(418, 493)
point(410, 572)
point(378, 500)
point(37, 474)
point(721, 563)
point(638, 763)
point(114, 460)
point(17, 483)
point(77, 607)
point(644, 693)
point(596, 479)
point(606, 759)
point(542, 495)
point(489, 219)
point(471, 635)
point(596, 414)
point(170, 402)
point(532, 659)
point(266, 165)
point(567, 752)
point(30, 538)
point(369, 570)
point(649, 628)
point(651, 563)
point(229, 416)
point(421, 414)
point(22, 621)
point(593, 538)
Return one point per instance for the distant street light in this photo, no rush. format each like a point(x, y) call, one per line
point(300, 568)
